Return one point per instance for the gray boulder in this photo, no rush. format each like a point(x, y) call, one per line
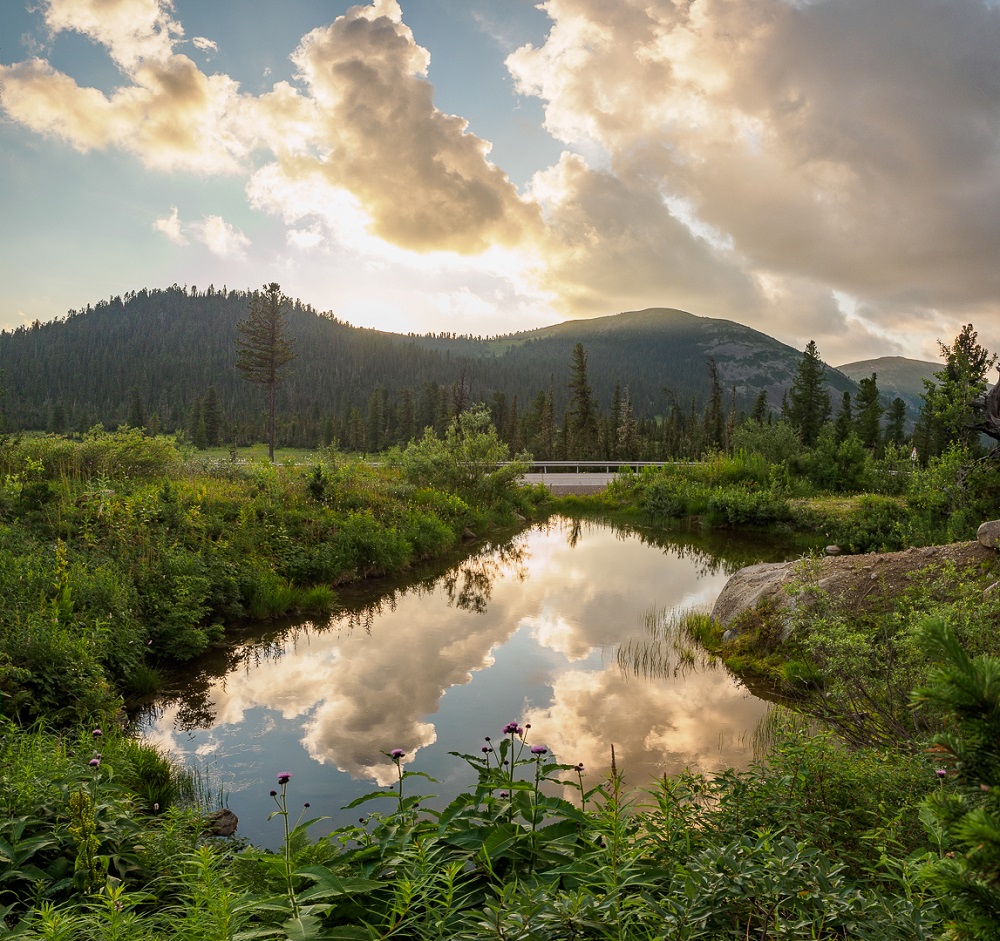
point(748, 588)
point(989, 534)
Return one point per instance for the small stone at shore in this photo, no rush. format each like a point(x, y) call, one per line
point(221, 823)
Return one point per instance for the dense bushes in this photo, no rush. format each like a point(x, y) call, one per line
point(836, 492)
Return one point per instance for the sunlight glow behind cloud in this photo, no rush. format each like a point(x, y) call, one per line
point(758, 160)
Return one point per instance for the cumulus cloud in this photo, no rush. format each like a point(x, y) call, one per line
point(701, 721)
point(170, 226)
point(424, 180)
point(220, 237)
point(847, 144)
point(205, 45)
point(169, 113)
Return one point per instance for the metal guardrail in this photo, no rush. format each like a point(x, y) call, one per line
point(593, 467)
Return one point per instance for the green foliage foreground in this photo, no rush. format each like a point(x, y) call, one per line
point(821, 842)
point(120, 558)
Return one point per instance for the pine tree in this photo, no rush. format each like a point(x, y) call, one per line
point(714, 420)
point(406, 421)
point(373, 425)
point(948, 415)
point(843, 424)
point(136, 413)
point(265, 349)
point(808, 400)
point(212, 415)
point(895, 422)
point(868, 419)
point(760, 410)
point(581, 416)
point(964, 817)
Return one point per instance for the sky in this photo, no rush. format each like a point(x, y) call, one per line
point(822, 170)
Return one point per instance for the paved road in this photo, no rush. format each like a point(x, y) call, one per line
point(571, 483)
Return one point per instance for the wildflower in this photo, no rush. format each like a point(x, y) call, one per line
point(284, 777)
point(97, 733)
point(274, 793)
point(486, 749)
point(512, 728)
point(488, 739)
point(503, 795)
point(396, 754)
point(94, 762)
point(306, 804)
point(579, 767)
point(941, 772)
point(538, 749)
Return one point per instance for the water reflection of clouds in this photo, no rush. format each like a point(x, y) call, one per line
point(654, 726)
point(373, 679)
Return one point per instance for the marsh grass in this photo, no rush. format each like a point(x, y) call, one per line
point(670, 645)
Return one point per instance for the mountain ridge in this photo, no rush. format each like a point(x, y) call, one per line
point(170, 345)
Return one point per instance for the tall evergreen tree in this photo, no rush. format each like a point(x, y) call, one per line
point(406, 421)
point(760, 410)
point(212, 415)
point(951, 399)
point(136, 413)
point(895, 422)
point(868, 419)
point(581, 416)
point(808, 399)
point(843, 424)
point(714, 418)
point(373, 426)
point(264, 349)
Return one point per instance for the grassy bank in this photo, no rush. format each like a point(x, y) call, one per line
point(120, 558)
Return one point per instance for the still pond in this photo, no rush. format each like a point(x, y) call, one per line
point(563, 627)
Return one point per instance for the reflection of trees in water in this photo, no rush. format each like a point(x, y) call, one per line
point(469, 586)
point(711, 552)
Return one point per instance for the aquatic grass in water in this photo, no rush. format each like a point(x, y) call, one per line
point(669, 647)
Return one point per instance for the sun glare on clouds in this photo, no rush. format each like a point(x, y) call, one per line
point(755, 160)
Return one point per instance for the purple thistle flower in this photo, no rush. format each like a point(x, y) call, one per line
point(94, 762)
point(941, 772)
point(274, 793)
point(512, 728)
point(579, 767)
point(538, 749)
point(396, 754)
point(284, 777)
point(503, 795)
point(97, 733)
point(486, 749)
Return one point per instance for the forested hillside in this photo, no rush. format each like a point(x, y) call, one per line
point(165, 359)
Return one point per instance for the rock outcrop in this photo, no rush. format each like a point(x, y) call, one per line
point(871, 580)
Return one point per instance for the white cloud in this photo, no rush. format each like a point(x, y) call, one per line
point(205, 45)
point(170, 226)
point(220, 237)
